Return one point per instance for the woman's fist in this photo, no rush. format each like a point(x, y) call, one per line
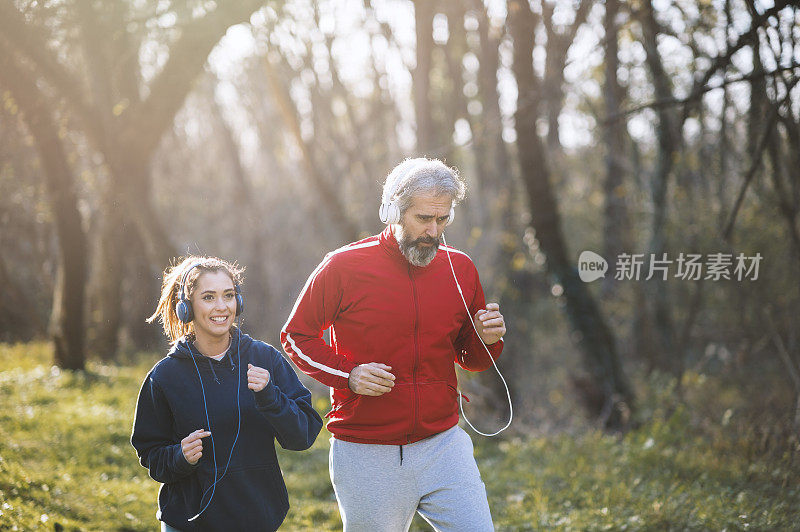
point(257, 378)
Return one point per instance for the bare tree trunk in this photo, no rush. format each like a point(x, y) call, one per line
point(423, 18)
point(558, 44)
point(493, 208)
point(615, 225)
point(785, 177)
point(108, 276)
point(67, 323)
point(597, 341)
point(758, 103)
point(553, 79)
point(489, 131)
point(723, 183)
point(454, 101)
point(668, 139)
point(130, 226)
point(140, 289)
point(492, 161)
point(132, 186)
point(784, 197)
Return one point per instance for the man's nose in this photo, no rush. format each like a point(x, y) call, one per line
point(432, 230)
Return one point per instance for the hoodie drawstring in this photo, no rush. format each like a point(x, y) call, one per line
point(401, 455)
point(216, 379)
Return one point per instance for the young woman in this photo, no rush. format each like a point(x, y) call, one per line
point(209, 413)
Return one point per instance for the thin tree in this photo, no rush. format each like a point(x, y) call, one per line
point(611, 397)
point(67, 329)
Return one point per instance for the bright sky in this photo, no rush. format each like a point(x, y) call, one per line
point(352, 27)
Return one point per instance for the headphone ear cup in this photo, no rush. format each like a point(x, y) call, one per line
point(239, 301)
point(394, 213)
point(184, 311)
point(389, 213)
point(451, 216)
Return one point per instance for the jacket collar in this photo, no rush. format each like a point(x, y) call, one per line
point(389, 243)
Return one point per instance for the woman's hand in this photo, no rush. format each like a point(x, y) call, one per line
point(257, 378)
point(192, 445)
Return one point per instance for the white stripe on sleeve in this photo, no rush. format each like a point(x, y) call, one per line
point(314, 363)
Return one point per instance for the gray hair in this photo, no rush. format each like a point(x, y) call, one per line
point(421, 175)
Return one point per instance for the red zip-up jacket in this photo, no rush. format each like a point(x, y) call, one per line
point(381, 308)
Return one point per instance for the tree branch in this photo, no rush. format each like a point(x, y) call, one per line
point(328, 194)
point(723, 60)
point(667, 102)
point(144, 123)
point(754, 165)
point(26, 39)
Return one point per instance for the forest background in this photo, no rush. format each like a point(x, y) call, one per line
point(657, 133)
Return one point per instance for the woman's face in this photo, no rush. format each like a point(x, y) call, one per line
point(214, 305)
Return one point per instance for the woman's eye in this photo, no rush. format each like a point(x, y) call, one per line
point(208, 297)
point(228, 296)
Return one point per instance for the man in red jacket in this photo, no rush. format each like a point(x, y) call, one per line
point(398, 321)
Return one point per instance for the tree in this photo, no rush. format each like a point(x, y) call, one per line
point(616, 229)
point(67, 325)
point(423, 19)
point(123, 118)
point(597, 341)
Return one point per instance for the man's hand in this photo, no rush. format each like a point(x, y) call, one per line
point(490, 324)
point(257, 378)
point(371, 379)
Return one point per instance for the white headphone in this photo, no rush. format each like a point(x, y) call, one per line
point(389, 211)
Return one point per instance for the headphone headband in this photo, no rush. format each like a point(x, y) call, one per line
point(401, 176)
point(184, 277)
point(389, 211)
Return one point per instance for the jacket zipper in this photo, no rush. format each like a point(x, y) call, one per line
point(415, 405)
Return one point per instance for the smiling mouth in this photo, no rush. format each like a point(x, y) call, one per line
point(219, 319)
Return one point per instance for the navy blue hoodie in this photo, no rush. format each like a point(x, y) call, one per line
point(252, 495)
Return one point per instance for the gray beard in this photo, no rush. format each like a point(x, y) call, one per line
point(414, 253)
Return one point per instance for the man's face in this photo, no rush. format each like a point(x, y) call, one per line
point(421, 227)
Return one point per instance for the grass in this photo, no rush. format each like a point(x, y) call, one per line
point(66, 464)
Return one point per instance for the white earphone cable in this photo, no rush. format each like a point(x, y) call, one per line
point(469, 315)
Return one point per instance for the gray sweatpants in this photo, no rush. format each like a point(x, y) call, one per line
point(438, 478)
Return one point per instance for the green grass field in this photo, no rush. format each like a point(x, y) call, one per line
point(66, 464)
